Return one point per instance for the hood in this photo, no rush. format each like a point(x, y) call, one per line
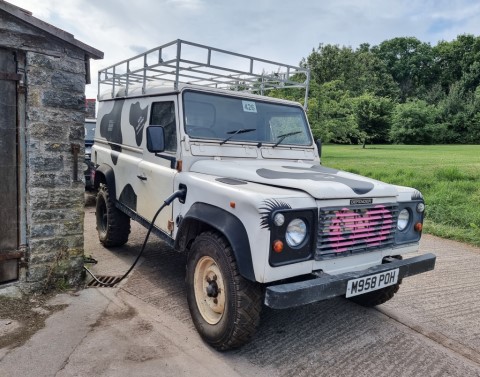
point(318, 181)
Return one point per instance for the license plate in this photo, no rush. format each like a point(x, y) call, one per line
point(371, 283)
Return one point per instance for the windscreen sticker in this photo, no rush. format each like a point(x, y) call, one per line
point(249, 106)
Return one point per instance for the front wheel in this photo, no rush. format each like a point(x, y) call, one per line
point(225, 307)
point(377, 297)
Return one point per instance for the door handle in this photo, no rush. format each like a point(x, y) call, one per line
point(142, 177)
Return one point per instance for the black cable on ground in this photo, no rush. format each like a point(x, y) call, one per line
point(177, 194)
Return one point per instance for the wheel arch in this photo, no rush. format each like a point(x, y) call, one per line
point(202, 217)
point(104, 174)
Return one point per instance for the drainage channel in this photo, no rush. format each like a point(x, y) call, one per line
point(110, 280)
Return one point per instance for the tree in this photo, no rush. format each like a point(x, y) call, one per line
point(459, 114)
point(360, 70)
point(410, 62)
point(413, 122)
point(331, 62)
point(355, 93)
point(332, 117)
point(373, 116)
point(453, 59)
point(371, 75)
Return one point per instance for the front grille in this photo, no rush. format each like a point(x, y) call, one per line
point(355, 229)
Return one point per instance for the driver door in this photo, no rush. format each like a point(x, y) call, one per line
point(156, 171)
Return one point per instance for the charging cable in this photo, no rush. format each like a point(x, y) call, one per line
point(179, 194)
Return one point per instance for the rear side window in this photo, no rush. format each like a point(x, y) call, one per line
point(163, 114)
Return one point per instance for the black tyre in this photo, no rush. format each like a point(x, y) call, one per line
point(113, 226)
point(377, 297)
point(225, 307)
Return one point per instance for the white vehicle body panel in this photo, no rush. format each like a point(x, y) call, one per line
point(235, 178)
point(318, 181)
point(285, 173)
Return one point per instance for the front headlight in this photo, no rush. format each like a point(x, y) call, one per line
point(403, 219)
point(292, 235)
point(296, 232)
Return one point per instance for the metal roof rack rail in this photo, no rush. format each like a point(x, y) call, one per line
point(191, 63)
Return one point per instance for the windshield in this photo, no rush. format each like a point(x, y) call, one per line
point(90, 130)
point(230, 119)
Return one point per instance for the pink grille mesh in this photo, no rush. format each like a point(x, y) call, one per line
point(355, 229)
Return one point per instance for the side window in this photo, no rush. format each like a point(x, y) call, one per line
point(163, 114)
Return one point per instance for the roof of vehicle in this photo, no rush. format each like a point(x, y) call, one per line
point(175, 65)
point(138, 91)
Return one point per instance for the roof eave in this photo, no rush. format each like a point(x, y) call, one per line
point(27, 17)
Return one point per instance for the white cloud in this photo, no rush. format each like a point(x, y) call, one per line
point(281, 31)
point(186, 4)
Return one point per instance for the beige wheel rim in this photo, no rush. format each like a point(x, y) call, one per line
point(209, 290)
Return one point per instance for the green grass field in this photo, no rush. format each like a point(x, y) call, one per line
point(447, 175)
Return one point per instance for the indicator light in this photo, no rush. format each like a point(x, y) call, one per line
point(418, 227)
point(278, 246)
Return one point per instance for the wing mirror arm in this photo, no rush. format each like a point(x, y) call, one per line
point(318, 143)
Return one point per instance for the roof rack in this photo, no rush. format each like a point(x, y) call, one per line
point(191, 63)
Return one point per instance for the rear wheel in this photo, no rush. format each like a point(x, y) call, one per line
point(113, 226)
point(225, 307)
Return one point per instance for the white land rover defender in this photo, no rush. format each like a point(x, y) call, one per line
point(262, 221)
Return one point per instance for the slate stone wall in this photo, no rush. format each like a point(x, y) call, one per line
point(55, 112)
point(50, 119)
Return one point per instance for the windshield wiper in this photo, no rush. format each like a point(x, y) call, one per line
point(282, 137)
point(237, 132)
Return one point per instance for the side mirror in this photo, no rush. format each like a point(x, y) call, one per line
point(155, 139)
point(318, 142)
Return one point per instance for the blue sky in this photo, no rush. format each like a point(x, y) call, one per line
point(277, 30)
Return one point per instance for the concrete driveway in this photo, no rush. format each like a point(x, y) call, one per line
point(143, 328)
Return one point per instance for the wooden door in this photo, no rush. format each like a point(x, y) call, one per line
point(8, 153)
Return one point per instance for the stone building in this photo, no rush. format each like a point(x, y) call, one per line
point(43, 73)
point(90, 108)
